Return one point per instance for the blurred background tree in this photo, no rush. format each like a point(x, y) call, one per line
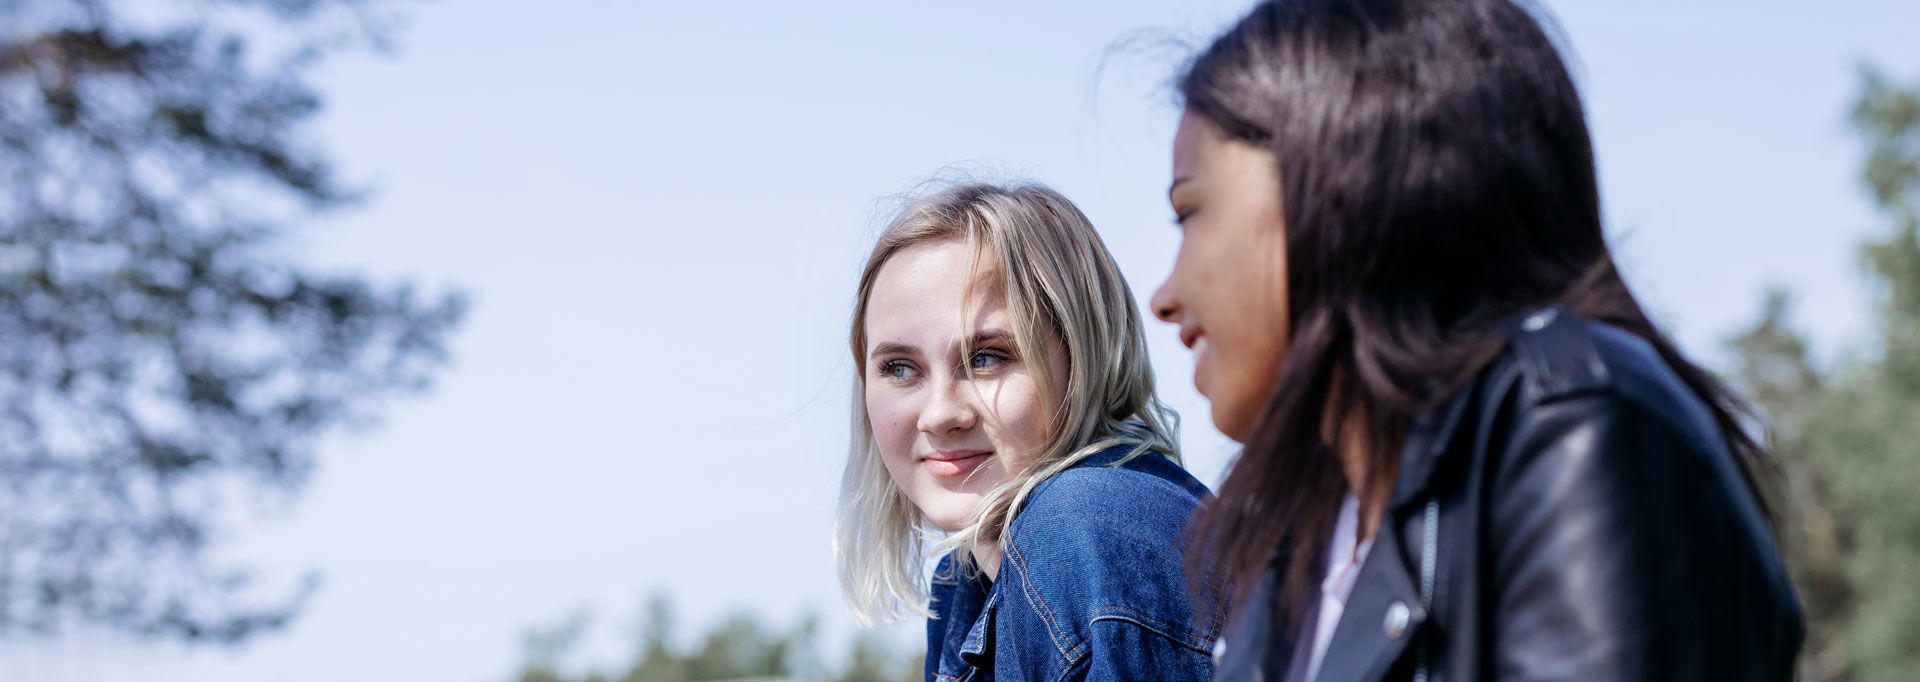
point(740, 647)
point(164, 357)
point(1848, 437)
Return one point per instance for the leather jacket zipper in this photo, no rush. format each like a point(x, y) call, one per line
point(1429, 551)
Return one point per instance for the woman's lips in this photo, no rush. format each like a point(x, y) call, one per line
point(952, 463)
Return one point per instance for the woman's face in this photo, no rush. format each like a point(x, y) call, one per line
point(947, 434)
point(1228, 289)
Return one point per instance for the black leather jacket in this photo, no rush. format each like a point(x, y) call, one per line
point(1573, 514)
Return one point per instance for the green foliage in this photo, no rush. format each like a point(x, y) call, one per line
point(162, 354)
point(871, 661)
point(1849, 439)
point(739, 648)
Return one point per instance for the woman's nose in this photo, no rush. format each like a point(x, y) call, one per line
point(950, 409)
point(1164, 304)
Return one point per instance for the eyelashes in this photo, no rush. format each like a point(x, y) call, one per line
point(983, 362)
point(897, 370)
point(988, 360)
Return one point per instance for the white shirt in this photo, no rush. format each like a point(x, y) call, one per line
point(1344, 558)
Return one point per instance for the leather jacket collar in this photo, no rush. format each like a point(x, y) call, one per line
point(1574, 513)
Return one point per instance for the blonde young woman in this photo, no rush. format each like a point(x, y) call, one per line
point(1004, 401)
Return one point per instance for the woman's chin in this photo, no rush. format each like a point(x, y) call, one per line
point(951, 515)
point(949, 524)
point(1236, 428)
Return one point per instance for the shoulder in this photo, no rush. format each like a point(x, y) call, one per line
point(1592, 408)
point(1558, 357)
point(1098, 495)
point(1614, 491)
point(1101, 545)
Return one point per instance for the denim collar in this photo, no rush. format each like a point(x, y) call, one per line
point(967, 605)
point(976, 649)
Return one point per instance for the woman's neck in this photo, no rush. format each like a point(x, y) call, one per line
point(1355, 453)
point(986, 555)
point(1373, 499)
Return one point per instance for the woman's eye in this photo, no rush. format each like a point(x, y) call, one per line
point(896, 370)
point(981, 361)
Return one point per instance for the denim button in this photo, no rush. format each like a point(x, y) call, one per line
point(1398, 616)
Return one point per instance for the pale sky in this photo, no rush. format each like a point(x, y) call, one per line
point(659, 209)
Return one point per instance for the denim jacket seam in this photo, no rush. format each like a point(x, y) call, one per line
point(1183, 636)
point(1068, 664)
point(1054, 631)
point(1165, 630)
point(1216, 625)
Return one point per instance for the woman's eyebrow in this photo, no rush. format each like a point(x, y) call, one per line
point(992, 337)
point(892, 349)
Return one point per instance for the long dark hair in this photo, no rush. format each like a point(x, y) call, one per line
point(1436, 178)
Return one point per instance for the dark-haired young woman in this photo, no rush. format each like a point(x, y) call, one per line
point(1468, 453)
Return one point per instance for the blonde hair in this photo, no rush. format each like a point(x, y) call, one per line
point(1057, 277)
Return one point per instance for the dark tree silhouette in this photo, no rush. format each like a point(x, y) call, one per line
point(163, 357)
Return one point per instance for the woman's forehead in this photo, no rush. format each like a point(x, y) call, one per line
point(935, 292)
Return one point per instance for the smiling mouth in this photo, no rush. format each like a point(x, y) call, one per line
point(950, 464)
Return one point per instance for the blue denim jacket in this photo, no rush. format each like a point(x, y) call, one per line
point(1091, 584)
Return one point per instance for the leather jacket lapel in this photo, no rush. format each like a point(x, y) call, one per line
point(1253, 649)
point(1427, 440)
point(1380, 617)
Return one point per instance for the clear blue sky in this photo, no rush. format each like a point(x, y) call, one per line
point(659, 209)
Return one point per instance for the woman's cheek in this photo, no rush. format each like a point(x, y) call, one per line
point(893, 423)
point(1023, 422)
